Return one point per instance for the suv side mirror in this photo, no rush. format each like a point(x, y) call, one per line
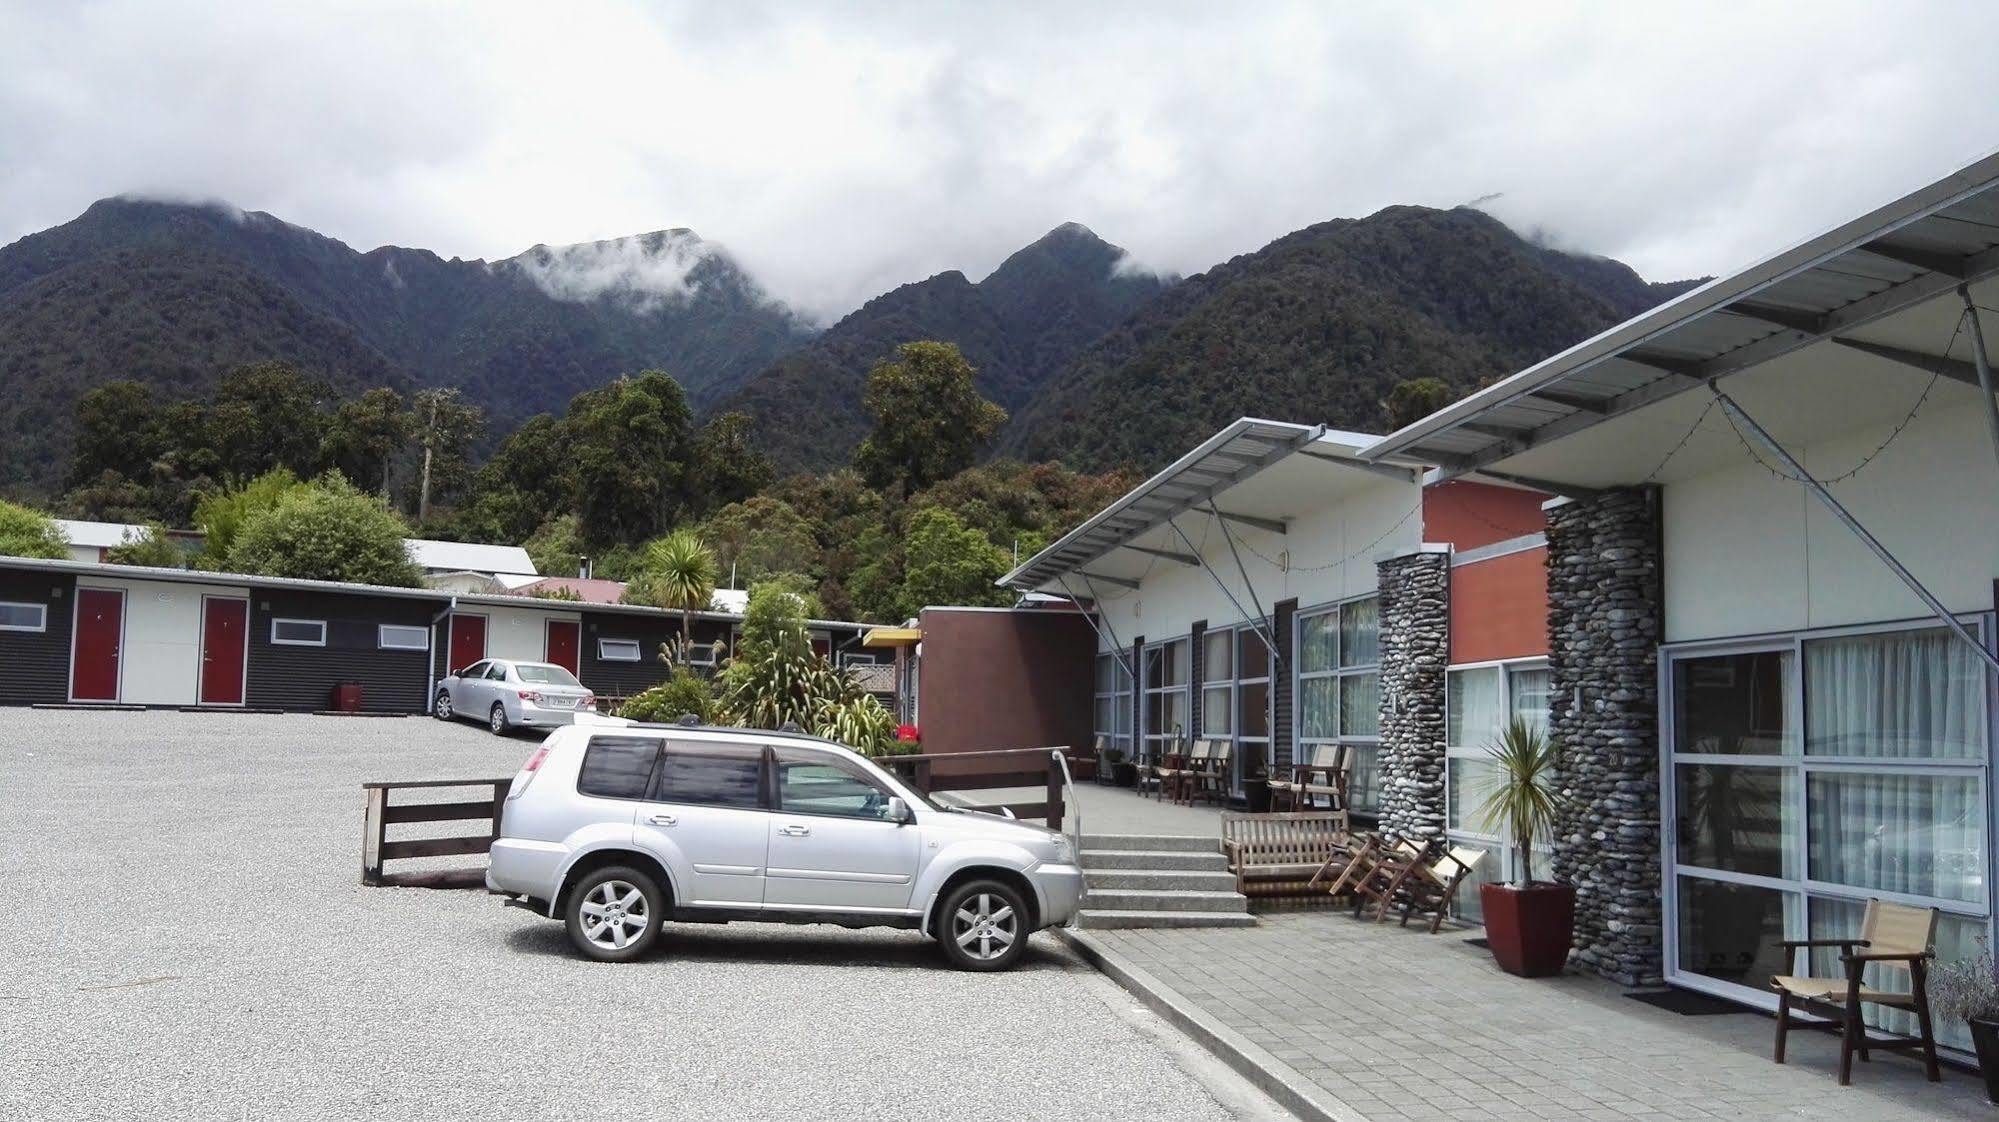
point(899, 812)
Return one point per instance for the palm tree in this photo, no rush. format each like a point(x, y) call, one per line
point(679, 572)
point(1526, 800)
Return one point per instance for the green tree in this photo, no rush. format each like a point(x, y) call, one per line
point(265, 415)
point(727, 466)
point(929, 421)
point(947, 562)
point(326, 530)
point(150, 547)
point(222, 515)
point(1412, 399)
point(630, 443)
point(444, 427)
point(776, 678)
point(365, 435)
point(556, 547)
point(30, 533)
point(678, 575)
point(757, 537)
point(117, 431)
point(527, 481)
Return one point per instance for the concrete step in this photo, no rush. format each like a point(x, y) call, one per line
point(1165, 860)
point(1096, 919)
point(1170, 900)
point(1160, 879)
point(1176, 843)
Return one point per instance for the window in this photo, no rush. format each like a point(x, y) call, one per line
point(618, 650)
point(1217, 683)
point(476, 670)
point(706, 654)
point(497, 672)
point(542, 674)
point(1113, 713)
point(1165, 713)
point(24, 617)
point(814, 783)
point(299, 632)
point(617, 767)
point(1338, 689)
point(393, 637)
point(1810, 773)
point(1252, 701)
point(711, 775)
point(1479, 701)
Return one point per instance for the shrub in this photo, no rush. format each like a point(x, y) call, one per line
point(150, 548)
point(861, 723)
point(682, 693)
point(326, 530)
point(30, 533)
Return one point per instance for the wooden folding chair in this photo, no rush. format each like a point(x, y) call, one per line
point(1192, 766)
point(1213, 775)
point(1354, 858)
point(1167, 772)
point(1897, 940)
point(1392, 859)
point(1426, 887)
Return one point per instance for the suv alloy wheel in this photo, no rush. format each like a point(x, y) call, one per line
point(614, 914)
point(983, 926)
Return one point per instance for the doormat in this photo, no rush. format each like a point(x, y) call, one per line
point(1687, 1003)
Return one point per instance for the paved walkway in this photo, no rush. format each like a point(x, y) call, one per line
point(1391, 1024)
point(1114, 810)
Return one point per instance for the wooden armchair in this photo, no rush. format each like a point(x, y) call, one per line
point(1323, 774)
point(1896, 939)
point(1106, 771)
point(1192, 766)
point(1214, 775)
point(1168, 770)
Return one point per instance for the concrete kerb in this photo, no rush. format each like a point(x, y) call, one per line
point(1282, 1082)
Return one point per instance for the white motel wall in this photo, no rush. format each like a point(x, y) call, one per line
point(160, 656)
point(518, 633)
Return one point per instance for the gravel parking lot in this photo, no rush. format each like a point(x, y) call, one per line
point(188, 937)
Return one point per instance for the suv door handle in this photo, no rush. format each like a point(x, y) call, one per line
point(794, 831)
point(663, 820)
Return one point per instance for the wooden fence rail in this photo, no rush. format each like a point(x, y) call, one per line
point(1034, 767)
point(379, 814)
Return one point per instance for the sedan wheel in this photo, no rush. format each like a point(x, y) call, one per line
point(443, 707)
point(983, 926)
point(615, 914)
point(498, 720)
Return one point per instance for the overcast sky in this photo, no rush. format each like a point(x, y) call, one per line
point(839, 150)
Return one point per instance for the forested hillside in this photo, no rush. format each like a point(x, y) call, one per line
point(1318, 326)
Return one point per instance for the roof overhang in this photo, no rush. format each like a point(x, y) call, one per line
point(1832, 327)
point(1257, 472)
point(892, 637)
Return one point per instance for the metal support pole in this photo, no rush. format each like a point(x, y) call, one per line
point(1255, 621)
point(1985, 386)
point(1106, 632)
point(1824, 496)
point(1247, 585)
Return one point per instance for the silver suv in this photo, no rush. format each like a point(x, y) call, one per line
point(615, 828)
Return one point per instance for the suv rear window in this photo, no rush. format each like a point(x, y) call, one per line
point(616, 767)
point(712, 775)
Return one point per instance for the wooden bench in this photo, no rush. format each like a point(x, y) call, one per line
point(1278, 854)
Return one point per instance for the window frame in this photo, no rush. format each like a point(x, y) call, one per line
point(1154, 742)
point(645, 786)
point(1501, 850)
point(382, 631)
point(276, 621)
point(1119, 696)
point(766, 796)
point(39, 628)
point(604, 646)
point(1798, 892)
point(774, 765)
point(1301, 743)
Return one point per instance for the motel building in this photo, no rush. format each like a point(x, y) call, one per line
point(88, 633)
point(1737, 555)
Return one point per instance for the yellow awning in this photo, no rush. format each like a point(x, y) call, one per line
point(892, 637)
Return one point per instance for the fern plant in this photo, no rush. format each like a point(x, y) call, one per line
point(1526, 801)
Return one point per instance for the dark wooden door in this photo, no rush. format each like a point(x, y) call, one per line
point(563, 637)
point(100, 632)
point(468, 641)
point(225, 627)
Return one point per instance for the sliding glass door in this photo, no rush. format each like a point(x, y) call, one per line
point(1808, 774)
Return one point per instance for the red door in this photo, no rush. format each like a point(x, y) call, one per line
point(468, 641)
point(563, 636)
point(100, 630)
point(225, 628)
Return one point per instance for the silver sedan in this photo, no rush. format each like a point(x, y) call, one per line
point(506, 694)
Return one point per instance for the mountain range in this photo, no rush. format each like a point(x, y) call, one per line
point(1099, 362)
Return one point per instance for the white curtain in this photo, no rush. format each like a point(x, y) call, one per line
point(1902, 695)
point(1473, 706)
point(1923, 834)
point(1360, 633)
point(1529, 700)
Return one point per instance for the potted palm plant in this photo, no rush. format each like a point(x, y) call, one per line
point(1968, 989)
point(1528, 925)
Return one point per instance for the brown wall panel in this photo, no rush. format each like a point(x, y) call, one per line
point(1000, 679)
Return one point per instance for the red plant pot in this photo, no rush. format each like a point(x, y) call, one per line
point(1529, 928)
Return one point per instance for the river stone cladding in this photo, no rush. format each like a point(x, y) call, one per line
point(1415, 649)
point(1604, 624)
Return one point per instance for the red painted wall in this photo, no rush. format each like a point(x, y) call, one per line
point(1468, 515)
point(996, 679)
point(1499, 607)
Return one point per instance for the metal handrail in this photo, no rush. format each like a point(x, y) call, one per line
point(1075, 805)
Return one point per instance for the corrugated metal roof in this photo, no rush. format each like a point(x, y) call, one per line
point(1224, 460)
point(470, 557)
point(1899, 255)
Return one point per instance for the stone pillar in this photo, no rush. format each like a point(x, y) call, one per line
point(1415, 650)
point(1605, 620)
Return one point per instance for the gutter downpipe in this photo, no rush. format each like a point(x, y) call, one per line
point(430, 664)
point(1824, 496)
point(1984, 365)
